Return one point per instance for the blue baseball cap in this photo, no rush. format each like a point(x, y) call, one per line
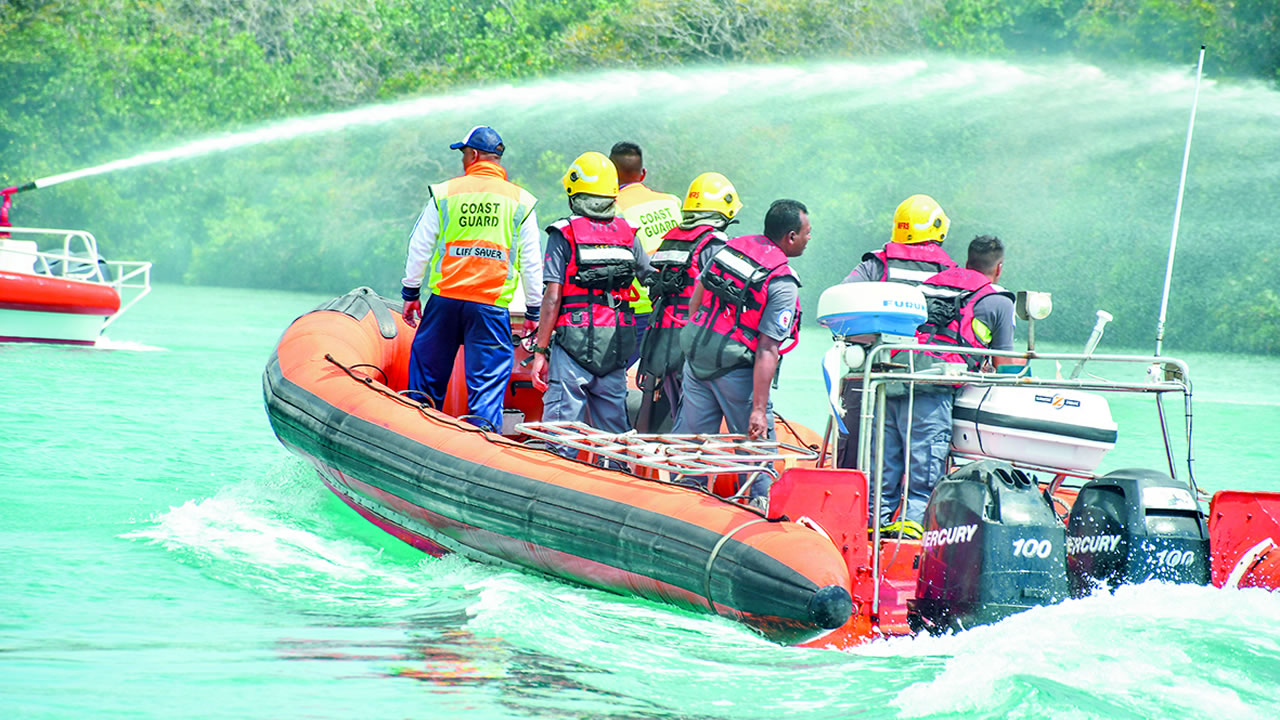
point(481, 137)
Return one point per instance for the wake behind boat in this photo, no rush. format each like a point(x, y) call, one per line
point(1021, 521)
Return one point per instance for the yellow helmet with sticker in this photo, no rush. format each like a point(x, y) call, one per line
point(919, 219)
point(712, 191)
point(591, 173)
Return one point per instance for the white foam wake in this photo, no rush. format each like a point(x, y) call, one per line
point(1133, 652)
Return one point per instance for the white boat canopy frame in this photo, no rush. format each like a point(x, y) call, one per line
point(1164, 375)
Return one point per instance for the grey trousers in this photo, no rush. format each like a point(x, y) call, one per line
point(575, 394)
point(705, 402)
point(930, 444)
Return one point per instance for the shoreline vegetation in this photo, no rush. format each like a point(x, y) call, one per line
point(91, 81)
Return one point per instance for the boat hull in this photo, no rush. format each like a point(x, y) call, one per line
point(36, 308)
point(445, 486)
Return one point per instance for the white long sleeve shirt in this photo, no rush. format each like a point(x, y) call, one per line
point(422, 247)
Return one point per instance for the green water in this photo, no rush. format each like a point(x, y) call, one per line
point(165, 557)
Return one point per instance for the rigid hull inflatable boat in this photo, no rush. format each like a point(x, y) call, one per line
point(1021, 521)
point(444, 485)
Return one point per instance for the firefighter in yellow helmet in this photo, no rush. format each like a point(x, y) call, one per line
point(914, 252)
point(711, 204)
point(912, 256)
point(650, 212)
point(587, 329)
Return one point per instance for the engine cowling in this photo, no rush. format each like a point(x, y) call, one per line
point(992, 547)
point(1134, 525)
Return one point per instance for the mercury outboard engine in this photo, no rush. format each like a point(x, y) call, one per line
point(1129, 526)
point(992, 547)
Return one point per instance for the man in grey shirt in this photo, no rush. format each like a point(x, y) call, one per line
point(737, 391)
point(591, 257)
point(982, 316)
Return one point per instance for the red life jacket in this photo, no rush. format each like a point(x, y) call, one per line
point(675, 269)
point(723, 332)
point(596, 325)
point(951, 315)
point(912, 264)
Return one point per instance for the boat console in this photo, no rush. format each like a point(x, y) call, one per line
point(1002, 531)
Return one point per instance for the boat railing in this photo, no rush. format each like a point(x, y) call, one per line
point(679, 455)
point(77, 258)
point(880, 368)
point(882, 365)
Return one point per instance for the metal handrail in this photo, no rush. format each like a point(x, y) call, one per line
point(872, 380)
point(1174, 376)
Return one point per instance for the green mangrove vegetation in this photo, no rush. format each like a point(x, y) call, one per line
point(849, 105)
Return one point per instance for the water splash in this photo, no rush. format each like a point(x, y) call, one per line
point(911, 81)
point(106, 343)
point(1101, 651)
point(242, 541)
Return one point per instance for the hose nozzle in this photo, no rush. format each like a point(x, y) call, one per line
point(1095, 337)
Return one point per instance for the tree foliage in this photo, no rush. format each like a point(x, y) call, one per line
point(1243, 35)
point(666, 31)
point(91, 81)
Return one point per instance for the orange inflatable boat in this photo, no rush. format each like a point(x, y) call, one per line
point(1003, 531)
point(444, 485)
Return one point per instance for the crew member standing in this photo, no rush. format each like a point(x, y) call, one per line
point(966, 308)
point(651, 213)
point(592, 260)
point(477, 235)
point(913, 254)
point(745, 305)
point(709, 207)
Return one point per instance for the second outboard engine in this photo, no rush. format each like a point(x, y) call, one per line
point(1129, 526)
point(992, 547)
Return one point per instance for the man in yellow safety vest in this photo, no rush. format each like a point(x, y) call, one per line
point(651, 213)
point(476, 238)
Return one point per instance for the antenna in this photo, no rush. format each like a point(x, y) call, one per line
point(1177, 211)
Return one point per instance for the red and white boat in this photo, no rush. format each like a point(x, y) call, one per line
point(56, 288)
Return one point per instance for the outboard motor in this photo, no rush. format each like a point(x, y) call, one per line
point(992, 547)
point(1133, 525)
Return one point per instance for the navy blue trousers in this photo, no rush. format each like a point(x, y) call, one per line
point(485, 332)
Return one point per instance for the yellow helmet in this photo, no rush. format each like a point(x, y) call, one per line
point(591, 173)
point(919, 219)
point(713, 191)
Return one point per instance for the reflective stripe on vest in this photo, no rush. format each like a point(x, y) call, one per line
point(726, 326)
point(595, 326)
point(675, 268)
point(912, 264)
point(652, 214)
point(967, 288)
point(477, 256)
